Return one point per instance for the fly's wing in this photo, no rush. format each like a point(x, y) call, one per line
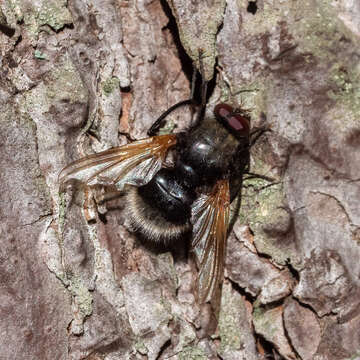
point(134, 164)
point(210, 218)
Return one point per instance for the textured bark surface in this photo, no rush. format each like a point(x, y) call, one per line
point(77, 77)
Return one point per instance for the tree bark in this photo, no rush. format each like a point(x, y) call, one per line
point(78, 77)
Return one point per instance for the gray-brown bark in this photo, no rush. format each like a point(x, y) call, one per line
point(75, 76)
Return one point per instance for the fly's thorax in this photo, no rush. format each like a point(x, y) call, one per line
point(210, 149)
point(166, 192)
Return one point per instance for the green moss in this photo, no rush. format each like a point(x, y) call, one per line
point(248, 96)
point(234, 327)
point(166, 265)
point(12, 10)
point(320, 33)
point(192, 353)
point(229, 333)
point(64, 83)
point(187, 333)
point(258, 311)
point(262, 207)
point(345, 88)
point(168, 128)
point(193, 40)
point(110, 84)
point(270, 17)
point(356, 356)
point(164, 307)
point(82, 296)
point(50, 12)
point(62, 212)
point(259, 199)
point(39, 55)
point(264, 322)
point(314, 26)
point(267, 326)
point(55, 14)
point(141, 347)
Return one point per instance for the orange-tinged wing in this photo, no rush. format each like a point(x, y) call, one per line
point(134, 164)
point(210, 217)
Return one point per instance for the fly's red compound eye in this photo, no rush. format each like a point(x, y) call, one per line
point(235, 121)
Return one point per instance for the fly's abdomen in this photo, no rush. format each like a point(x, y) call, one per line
point(169, 196)
point(161, 209)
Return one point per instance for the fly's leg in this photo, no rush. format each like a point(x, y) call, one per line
point(129, 138)
point(160, 121)
point(243, 153)
point(254, 137)
point(204, 85)
point(236, 184)
point(258, 176)
point(193, 82)
point(256, 134)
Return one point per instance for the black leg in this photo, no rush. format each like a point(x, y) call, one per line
point(203, 81)
point(235, 186)
point(128, 137)
point(159, 122)
point(193, 82)
point(258, 189)
point(204, 85)
point(236, 181)
point(252, 139)
point(256, 134)
point(235, 209)
point(258, 176)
